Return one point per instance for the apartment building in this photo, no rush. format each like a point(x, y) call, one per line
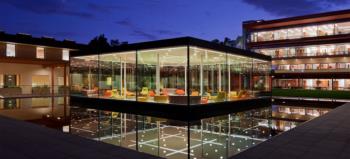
point(310, 52)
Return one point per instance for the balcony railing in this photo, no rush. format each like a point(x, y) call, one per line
point(32, 91)
point(313, 70)
point(289, 55)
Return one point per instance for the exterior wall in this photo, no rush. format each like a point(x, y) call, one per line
point(53, 54)
point(27, 71)
point(25, 51)
point(29, 52)
point(2, 49)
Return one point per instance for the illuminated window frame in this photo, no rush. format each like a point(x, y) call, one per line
point(10, 50)
point(40, 52)
point(65, 55)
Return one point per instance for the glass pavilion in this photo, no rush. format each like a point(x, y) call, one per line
point(181, 71)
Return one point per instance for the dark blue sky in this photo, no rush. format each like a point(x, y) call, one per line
point(144, 20)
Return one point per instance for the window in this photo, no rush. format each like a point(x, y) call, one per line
point(280, 34)
point(265, 36)
point(295, 33)
point(40, 53)
point(343, 28)
point(310, 31)
point(331, 66)
point(65, 55)
point(325, 30)
point(10, 50)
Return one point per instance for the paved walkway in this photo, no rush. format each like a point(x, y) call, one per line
point(22, 140)
point(326, 137)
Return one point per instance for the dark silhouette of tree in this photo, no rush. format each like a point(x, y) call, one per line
point(230, 42)
point(116, 42)
point(99, 43)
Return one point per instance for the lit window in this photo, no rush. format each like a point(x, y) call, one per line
point(65, 55)
point(40, 54)
point(10, 50)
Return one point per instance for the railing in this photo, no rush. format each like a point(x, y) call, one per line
point(313, 88)
point(32, 91)
point(312, 70)
point(286, 55)
point(265, 36)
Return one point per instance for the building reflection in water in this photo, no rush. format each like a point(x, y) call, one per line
point(215, 137)
point(49, 111)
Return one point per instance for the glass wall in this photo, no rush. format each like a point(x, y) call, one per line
point(261, 77)
point(168, 75)
point(301, 32)
point(314, 67)
point(117, 75)
point(302, 51)
point(313, 84)
point(85, 76)
point(208, 76)
point(162, 75)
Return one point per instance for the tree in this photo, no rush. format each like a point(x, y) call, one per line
point(238, 43)
point(99, 43)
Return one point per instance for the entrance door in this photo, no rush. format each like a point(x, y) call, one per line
point(10, 81)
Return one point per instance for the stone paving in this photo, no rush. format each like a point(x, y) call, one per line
point(326, 137)
point(22, 140)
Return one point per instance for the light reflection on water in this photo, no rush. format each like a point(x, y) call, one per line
point(215, 137)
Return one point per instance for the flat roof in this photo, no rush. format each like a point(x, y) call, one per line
point(298, 20)
point(181, 41)
point(23, 38)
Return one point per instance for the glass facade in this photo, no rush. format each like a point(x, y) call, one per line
point(313, 84)
point(179, 75)
point(300, 32)
point(305, 51)
point(313, 67)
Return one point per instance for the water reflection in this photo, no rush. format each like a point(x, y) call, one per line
point(49, 112)
point(215, 137)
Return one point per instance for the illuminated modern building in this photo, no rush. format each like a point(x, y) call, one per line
point(181, 71)
point(33, 67)
point(308, 52)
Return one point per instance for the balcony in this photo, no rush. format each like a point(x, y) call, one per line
point(310, 55)
point(338, 70)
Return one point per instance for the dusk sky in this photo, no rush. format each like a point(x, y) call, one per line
point(145, 20)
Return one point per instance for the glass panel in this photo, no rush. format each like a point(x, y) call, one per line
point(261, 78)
point(280, 34)
point(310, 31)
point(295, 33)
point(84, 76)
point(265, 36)
point(208, 74)
point(117, 76)
point(240, 77)
point(343, 28)
point(325, 30)
point(162, 75)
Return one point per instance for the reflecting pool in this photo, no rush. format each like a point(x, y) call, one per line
point(52, 112)
point(215, 137)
